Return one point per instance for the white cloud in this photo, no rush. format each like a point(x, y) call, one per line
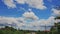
point(21, 23)
point(48, 22)
point(39, 4)
point(39, 24)
point(8, 20)
point(56, 12)
point(30, 15)
point(57, 20)
point(21, 1)
point(11, 21)
point(9, 3)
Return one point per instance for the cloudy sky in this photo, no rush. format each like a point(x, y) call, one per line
point(29, 14)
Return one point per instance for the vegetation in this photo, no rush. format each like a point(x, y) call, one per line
point(10, 30)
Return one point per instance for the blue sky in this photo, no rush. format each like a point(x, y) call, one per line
point(40, 9)
point(17, 12)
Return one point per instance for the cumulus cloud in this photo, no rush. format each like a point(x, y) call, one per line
point(43, 22)
point(7, 20)
point(40, 24)
point(21, 1)
point(9, 3)
point(56, 12)
point(21, 23)
point(57, 20)
point(30, 15)
point(39, 4)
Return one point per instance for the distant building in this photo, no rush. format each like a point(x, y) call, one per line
point(31, 33)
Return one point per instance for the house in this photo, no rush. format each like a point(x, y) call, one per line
point(31, 33)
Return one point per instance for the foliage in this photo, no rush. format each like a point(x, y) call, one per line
point(10, 30)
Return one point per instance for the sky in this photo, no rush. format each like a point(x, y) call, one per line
point(29, 14)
